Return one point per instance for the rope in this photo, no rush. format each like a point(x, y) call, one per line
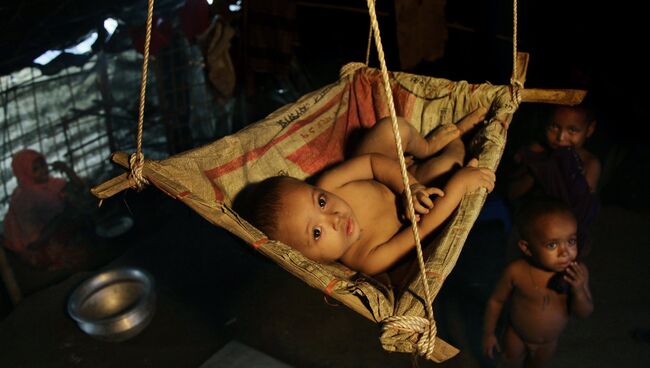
point(369, 44)
point(428, 333)
point(413, 324)
point(515, 84)
point(136, 160)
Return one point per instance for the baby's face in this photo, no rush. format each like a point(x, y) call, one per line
point(320, 224)
point(568, 128)
point(554, 242)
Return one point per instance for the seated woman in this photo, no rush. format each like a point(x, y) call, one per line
point(44, 226)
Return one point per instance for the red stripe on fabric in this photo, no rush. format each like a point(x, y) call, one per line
point(330, 287)
point(329, 146)
point(363, 108)
point(404, 102)
point(183, 194)
point(325, 149)
point(218, 194)
point(238, 162)
point(260, 242)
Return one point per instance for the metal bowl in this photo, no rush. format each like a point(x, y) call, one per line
point(114, 305)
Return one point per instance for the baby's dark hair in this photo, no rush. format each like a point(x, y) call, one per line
point(265, 202)
point(535, 208)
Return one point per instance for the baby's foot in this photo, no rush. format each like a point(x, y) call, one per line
point(471, 120)
point(441, 136)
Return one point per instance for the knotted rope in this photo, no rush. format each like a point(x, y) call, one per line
point(515, 84)
point(136, 161)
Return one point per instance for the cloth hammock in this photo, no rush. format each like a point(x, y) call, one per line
point(310, 135)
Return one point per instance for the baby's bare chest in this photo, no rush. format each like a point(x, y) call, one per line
point(375, 207)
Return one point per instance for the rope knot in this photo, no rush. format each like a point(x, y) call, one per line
point(414, 324)
point(136, 163)
point(515, 87)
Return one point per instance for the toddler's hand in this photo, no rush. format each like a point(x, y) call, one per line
point(422, 202)
point(576, 276)
point(474, 177)
point(490, 344)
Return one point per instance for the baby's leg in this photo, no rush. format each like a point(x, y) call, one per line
point(380, 139)
point(513, 351)
point(451, 157)
point(444, 134)
point(541, 355)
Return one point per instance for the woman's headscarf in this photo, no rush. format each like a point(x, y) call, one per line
point(33, 205)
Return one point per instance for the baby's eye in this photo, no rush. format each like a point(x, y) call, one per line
point(551, 245)
point(573, 242)
point(322, 202)
point(316, 233)
point(553, 126)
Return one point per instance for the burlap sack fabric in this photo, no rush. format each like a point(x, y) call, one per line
point(311, 134)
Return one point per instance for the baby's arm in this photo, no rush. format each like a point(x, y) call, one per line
point(365, 167)
point(468, 179)
point(581, 303)
point(493, 309)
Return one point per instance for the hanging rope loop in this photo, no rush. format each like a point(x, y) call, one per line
point(430, 335)
point(136, 163)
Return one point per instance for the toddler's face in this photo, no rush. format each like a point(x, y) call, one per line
point(554, 242)
point(568, 128)
point(320, 224)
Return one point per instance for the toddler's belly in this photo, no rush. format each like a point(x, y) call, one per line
point(538, 325)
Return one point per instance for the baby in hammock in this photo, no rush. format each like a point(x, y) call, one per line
point(353, 213)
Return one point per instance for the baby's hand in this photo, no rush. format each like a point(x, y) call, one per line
point(474, 177)
point(490, 344)
point(422, 202)
point(576, 276)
